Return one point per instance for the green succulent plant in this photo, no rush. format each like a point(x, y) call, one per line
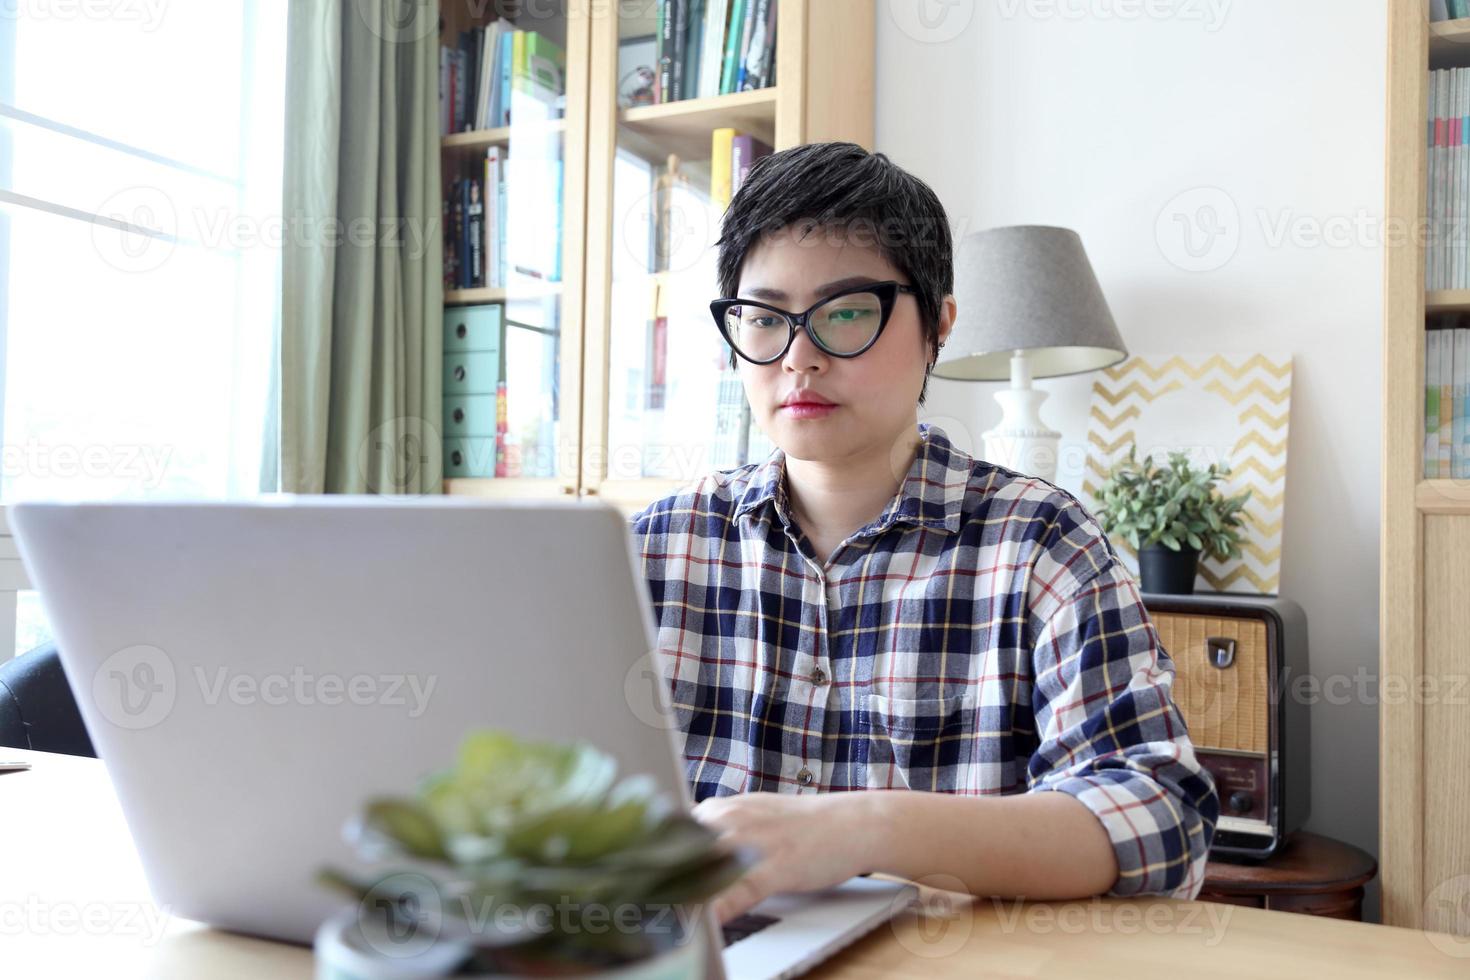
point(537, 859)
point(1175, 505)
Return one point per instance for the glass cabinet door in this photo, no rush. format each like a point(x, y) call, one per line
point(668, 144)
point(512, 115)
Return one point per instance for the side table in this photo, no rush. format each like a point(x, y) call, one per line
point(1310, 873)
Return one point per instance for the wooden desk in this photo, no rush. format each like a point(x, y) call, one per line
point(73, 903)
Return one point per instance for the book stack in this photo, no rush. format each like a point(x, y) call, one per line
point(481, 221)
point(1446, 392)
point(731, 155)
point(714, 47)
point(1446, 258)
point(480, 78)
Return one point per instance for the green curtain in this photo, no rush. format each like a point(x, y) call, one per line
point(362, 287)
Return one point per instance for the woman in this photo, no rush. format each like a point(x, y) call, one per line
point(870, 609)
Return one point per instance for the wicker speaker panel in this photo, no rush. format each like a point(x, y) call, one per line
point(1225, 708)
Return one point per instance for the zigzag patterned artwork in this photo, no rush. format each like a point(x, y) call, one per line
point(1218, 409)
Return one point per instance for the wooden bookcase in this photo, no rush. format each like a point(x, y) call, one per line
point(1424, 751)
point(823, 90)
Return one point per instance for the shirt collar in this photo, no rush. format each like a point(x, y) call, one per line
point(931, 495)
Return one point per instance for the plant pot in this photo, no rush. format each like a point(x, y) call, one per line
point(348, 948)
point(1166, 571)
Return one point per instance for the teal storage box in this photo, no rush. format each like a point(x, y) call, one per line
point(471, 372)
point(473, 327)
point(469, 457)
point(469, 415)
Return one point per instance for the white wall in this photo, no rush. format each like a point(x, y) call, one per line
point(1096, 115)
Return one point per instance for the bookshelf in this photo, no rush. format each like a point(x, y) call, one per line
point(1424, 809)
point(540, 347)
point(644, 401)
point(1447, 301)
point(822, 92)
point(480, 139)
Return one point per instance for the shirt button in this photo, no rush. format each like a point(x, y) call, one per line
point(818, 676)
point(804, 777)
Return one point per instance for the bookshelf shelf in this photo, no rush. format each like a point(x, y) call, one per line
point(480, 139)
point(1449, 43)
point(683, 127)
point(499, 294)
point(508, 489)
point(1442, 496)
point(1447, 301)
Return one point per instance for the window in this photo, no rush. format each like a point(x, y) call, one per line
point(140, 188)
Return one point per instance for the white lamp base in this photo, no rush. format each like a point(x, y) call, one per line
point(1022, 442)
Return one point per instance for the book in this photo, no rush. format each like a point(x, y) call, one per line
point(745, 150)
point(456, 213)
point(1431, 190)
point(1460, 277)
point(731, 58)
point(501, 217)
point(1446, 398)
point(677, 55)
point(1452, 188)
point(444, 97)
point(502, 115)
point(1457, 159)
point(500, 420)
point(768, 72)
point(451, 259)
point(755, 50)
point(747, 28)
point(1431, 404)
point(475, 231)
point(665, 50)
point(465, 88)
point(494, 246)
point(476, 80)
point(1459, 438)
point(717, 15)
point(692, 45)
point(719, 167)
point(657, 367)
point(539, 72)
point(460, 73)
point(1438, 185)
point(767, 69)
point(489, 75)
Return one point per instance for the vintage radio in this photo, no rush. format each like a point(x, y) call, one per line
point(1236, 659)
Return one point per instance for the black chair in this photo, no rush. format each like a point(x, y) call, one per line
point(37, 710)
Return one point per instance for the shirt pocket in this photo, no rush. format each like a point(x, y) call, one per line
point(921, 743)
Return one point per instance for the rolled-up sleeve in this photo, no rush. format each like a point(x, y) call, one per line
point(1110, 735)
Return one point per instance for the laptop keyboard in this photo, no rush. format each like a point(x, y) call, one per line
point(745, 925)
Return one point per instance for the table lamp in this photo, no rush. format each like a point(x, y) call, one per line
point(1029, 307)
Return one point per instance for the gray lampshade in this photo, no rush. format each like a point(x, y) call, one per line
point(1027, 287)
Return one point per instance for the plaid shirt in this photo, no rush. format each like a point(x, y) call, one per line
point(979, 637)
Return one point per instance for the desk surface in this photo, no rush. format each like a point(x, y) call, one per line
point(73, 903)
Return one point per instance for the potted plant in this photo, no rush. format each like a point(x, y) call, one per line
point(1170, 515)
point(526, 859)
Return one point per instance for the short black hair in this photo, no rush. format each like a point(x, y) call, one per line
point(842, 185)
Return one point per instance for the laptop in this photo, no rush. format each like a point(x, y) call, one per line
point(250, 673)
